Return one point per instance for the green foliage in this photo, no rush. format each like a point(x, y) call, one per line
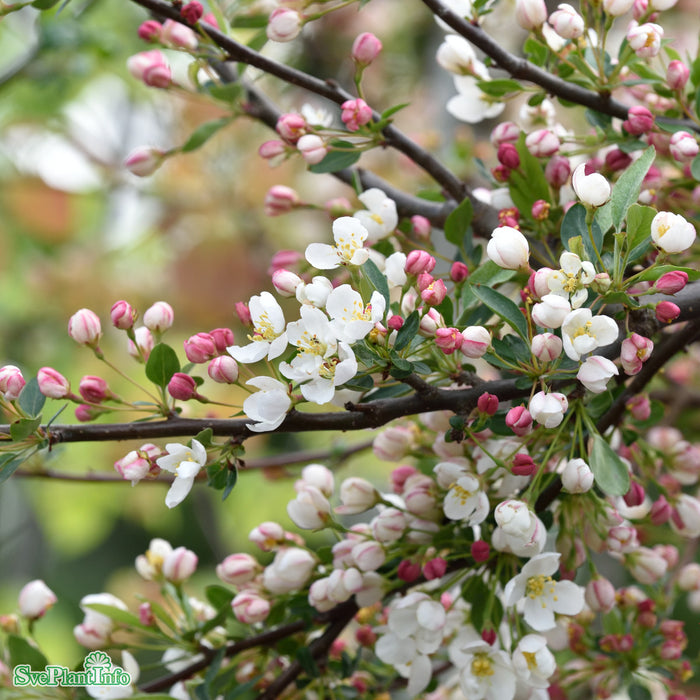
point(203, 133)
point(502, 306)
point(627, 188)
point(31, 400)
point(337, 160)
point(162, 364)
point(610, 472)
point(458, 222)
point(378, 280)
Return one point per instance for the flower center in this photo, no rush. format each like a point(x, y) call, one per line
point(531, 660)
point(377, 218)
point(663, 228)
point(346, 249)
point(311, 345)
point(583, 330)
point(264, 330)
point(537, 586)
point(462, 494)
point(481, 665)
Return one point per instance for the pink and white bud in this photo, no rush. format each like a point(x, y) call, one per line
point(368, 555)
point(273, 149)
point(151, 68)
point(458, 272)
point(419, 261)
point(319, 476)
point(355, 113)
point(310, 509)
point(645, 39)
point(616, 160)
point(519, 420)
point(639, 121)
point(146, 615)
point(671, 282)
point(477, 341)
point(595, 373)
point(223, 370)
point(542, 143)
point(646, 565)
point(238, 569)
point(179, 565)
point(123, 315)
point(672, 233)
point(159, 317)
point(357, 495)
point(192, 12)
point(280, 200)
point(551, 311)
point(134, 466)
point(11, 382)
point(634, 351)
point(622, 539)
point(150, 30)
point(683, 146)
point(508, 155)
point(530, 14)
point(250, 607)
point(200, 348)
point(505, 132)
point(557, 171)
point(566, 22)
point(182, 387)
point(52, 383)
point(284, 24)
point(487, 403)
point(178, 35)
point(546, 347)
point(434, 294)
point(667, 311)
point(508, 248)
point(365, 49)
point(593, 190)
point(577, 476)
point(513, 517)
point(84, 328)
point(35, 599)
point(291, 126)
point(93, 389)
point(523, 465)
point(639, 406)
point(389, 525)
point(617, 7)
point(312, 148)
point(635, 495)
point(144, 161)
point(400, 475)
point(448, 340)
point(421, 226)
point(677, 75)
point(538, 283)
point(434, 568)
point(394, 443)
point(540, 210)
point(267, 535)
point(548, 409)
point(223, 339)
point(145, 342)
point(661, 511)
point(289, 571)
point(430, 322)
point(689, 577)
point(685, 516)
point(600, 595)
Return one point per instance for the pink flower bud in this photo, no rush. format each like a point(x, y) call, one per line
point(84, 327)
point(159, 317)
point(182, 387)
point(11, 382)
point(243, 313)
point(151, 68)
point(480, 551)
point(223, 369)
point(477, 341)
point(600, 595)
point(85, 413)
point(645, 39)
point(35, 599)
point(558, 171)
point(209, 18)
point(546, 347)
point(523, 465)
point(355, 113)
point(635, 496)
point(677, 75)
point(639, 407)
point(689, 577)
point(639, 121)
point(540, 210)
point(508, 155)
point(634, 351)
point(501, 173)
point(408, 570)
point(519, 420)
point(123, 315)
point(179, 565)
point(671, 282)
point(683, 146)
point(93, 389)
point(430, 322)
point(505, 132)
point(285, 282)
point(337, 207)
point(144, 161)
point(419, 261)
point(592, 189)
point(530, 14)
point(249, 607)
point(312, 148)
point(272, 149)
point(421, 226)
point(150, 30)
point(661, 511)
point(617, 160)
point(487, 403)
point(178, 35)
point(435, 293)
point(458, 272)
point(542, 143)
point(192, 12)
point(146, 615)
point(280, 200)
point(284, 24)
point(267, 535)
point(365, 48)
point(566, 22)
point(238, 569)
point(434, 568)
point(617, 7)
point(291, 127)
point(223, 338)
point(667, 311)
point(395, 322)
point(200, 348)
point(52, 383)
point(134, 466)
point(145, 342)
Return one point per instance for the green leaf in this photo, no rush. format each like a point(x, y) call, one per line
point(205, 437)
point(393, 110)
point(203, 133)
point(249, 21)
point(627, 188)
point(23, 428)
point(31, 400)
point(218, 596)
point(337, 160)
point(638, 692)
point(598, 119)
point(228, 92)
point(639, 218)
point(653, 273)
point(44, 4)
point(22, 652)
point(9, 464)
point(458, 222)
point(123, 617)
point(489, 273)
point(499, 87)
point(162, 364)
point(695, 168)
point(400, 367)
point(536, 51)
point(231, 479)
point(527, 184)
point(378, 280)
point(306, 661)
point(407, 332)
point(574, 224)
point(610, 472)
point(503, 307)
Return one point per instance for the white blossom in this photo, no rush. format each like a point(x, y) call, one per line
point(572, 279)
point(583, 333)
point(487, 673)
point(671, 232)
point(466, 501)
point(185, 462)
point(471, 105)
point(351, 319)
point(349, 235)
point(267, 407)
point(269, 337)
point(380, 217)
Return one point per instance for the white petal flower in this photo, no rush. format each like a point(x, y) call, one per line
point(349, 235)
point(548, 409)
point(543, 595)
point(315, 293)
point(572, 279)
point(583, 333)
point(533, 661)
point(595, 373)
point(488, 673)
point(269, 336)
point(310, 509)
point(471, 105)
point(671, 232)
point(185, 462)
point(466, 501)
point(508, 248)
point(380, 217)
point(457, 56)
point(267, 407)
point(592, 189)
point(351, 319)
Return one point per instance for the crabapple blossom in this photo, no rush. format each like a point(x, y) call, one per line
point(96, 629)
point(185, 462)
point(355, 113)
point(151, 67)
point(595, 373)
point(593, 190)
point(577, 477)
point(268, 407)
point(123, 315)
point(238, 569)
point(671, 232)
point(508, 248)
point(617, 7)
point(269, 331)
point(159, 317)
point(566, 22)
point(634, 351)
point(683, 146)
point(223, 370)
point(646, 565)
point(471, 105)
point(466, 501)
point(519, 420)
point(380, 217)
point(35, 599)
point(179, 564)
point(667, 311)
point(84, 328)
point(645, 39)
point(542, 595)
point(351, 319)
point(357, 495)
point(671, 282)
point(389, 525)
point(486, 673)
point(551, 311)
point(250, 607)
point(365, 48)
point(178, 35)
point(312, 147)
point(52, 383)
point(530, 14)
point(677, 74)
point(546, 347)
point(349, 235)
point(289, 571)
point(572, 279)
point(542, 143)
point(548, 409)
point(11, 382)
point(310, 509)
point(639, 120)
point(477, 341)
point(267, 535)
point(140, 348)
point(533, 662)
point(457, 56)
point(685, 517)
point(145, 160)
point(283, 24)
point(583, 333)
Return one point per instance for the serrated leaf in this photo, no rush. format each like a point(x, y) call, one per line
point(627, 188)
point(337, 160)
point(378, 280)
point(22, 652)
point(231, 480)
point(23, 428)
point(458, 222)
point(162, 364)
point(610, 472)
point(203, 133)
point(502, 307)
point(31, 400)
point(407, 332)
